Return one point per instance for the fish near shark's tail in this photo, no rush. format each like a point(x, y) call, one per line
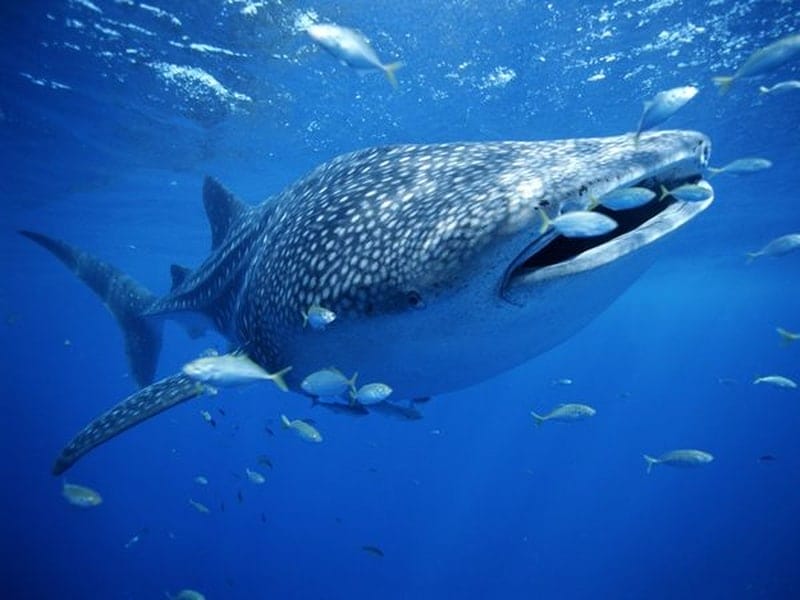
point(126, 299)
point(650, 462)
point(134, 409)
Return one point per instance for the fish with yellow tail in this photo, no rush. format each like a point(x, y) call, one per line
point(351, 49)
point(80, 495)
point(230, 370)
point(679, 458)
point(304, 430)
point(763, 61)
point(566, 413)
point(578, 223)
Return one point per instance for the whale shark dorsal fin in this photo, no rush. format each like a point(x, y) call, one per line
point(179, 274)
point(222, 209)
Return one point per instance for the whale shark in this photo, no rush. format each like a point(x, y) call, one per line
point(427, 254)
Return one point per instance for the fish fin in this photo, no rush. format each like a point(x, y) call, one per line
point(352, 382)
point(222, 209)
point(277, 378)
point(593, 203)
point(125, 298)
point(664, 193)
point(751, 256)
point(786, 336)
point(305, 317)
point(546, 222)
point(285, 422)
point(723, 83)
point(650, 462)
point(712, 171)
point(390, 72)
point(538, 419)
point(134, 409)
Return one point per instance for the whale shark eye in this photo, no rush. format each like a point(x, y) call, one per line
point(415, 299)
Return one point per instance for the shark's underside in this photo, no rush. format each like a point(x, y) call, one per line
point(423, 252)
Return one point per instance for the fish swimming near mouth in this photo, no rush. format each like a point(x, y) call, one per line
point(424, 253)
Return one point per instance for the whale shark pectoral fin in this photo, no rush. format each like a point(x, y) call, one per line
point(134, 409)
point(125, 298)
point(222, 209)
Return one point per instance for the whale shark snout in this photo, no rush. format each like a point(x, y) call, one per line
point(431, 256)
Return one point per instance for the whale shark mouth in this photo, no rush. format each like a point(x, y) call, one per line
point(553, 255)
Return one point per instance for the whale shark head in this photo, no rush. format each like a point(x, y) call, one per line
point(427, 252)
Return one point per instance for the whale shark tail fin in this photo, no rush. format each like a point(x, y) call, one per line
point(138, 407)
point(126, 299)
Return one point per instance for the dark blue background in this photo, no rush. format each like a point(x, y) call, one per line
point(491, 506)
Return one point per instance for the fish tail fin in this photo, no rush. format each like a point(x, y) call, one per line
point(546, 222)
point(723, 83)
point(664, 193)
point(285, 422)
point(305, 317)
point(126, 299)
point(712, 171)
point(352, 382)
point(650, 462)
point(786, 336)
point(277, 378)
point(750, 257)
point(389, 70)
point(538, 419)
point(134, 409)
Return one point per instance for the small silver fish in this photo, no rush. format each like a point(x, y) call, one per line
point(566, 413)
point(208, 418)
point(351, 49)
point(255, 476)
point(372, 393)
point(200, 480)
point(763, 61)
point(318, 317)
point(663, 106)
point(689, 192)
point(679, 458)
point(199, 507)
point(776, 380)
point(787, 336)
point(187, 595)
point(578, 223)
point(777, 247)
point(307, 432)
point(80, 495)
point(780, 88)
point(627, 198)
point(562, 381)
point(328, 382)
point(741, 166)
point(231, 370)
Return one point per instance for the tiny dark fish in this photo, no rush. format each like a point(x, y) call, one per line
point(213, 423)
point(263, 518)
point(372, 470)
point(422, 400)
point(373, 550)
point(338, 520)
point(240, 496)
point(222, 412)
point(269, 431)
point(264, 461)
point(767, 458)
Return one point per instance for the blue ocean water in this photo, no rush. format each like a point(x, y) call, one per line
point(111, 113)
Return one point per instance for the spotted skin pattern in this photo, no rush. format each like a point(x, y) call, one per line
point(375, 236)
